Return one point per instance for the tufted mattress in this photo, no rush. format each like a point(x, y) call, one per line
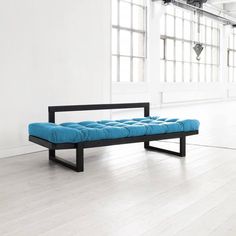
point(72, 132)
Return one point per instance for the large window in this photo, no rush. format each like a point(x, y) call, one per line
point(179, 32)
point(232, 56)
point(128, 40)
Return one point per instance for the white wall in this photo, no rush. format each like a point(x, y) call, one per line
point(52, 52)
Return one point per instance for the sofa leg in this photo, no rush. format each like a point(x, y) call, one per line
point(79, 159)
point(182, 148)
point(52, 154)
point(146, 144)
point(78, 166)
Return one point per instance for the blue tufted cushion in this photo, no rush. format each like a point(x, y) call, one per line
point(72, 132)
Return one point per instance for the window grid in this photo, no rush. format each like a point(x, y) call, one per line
point(231, 59)
point(129, 65)
point(176, 67)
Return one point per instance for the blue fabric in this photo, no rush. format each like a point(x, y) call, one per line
point(72, 132)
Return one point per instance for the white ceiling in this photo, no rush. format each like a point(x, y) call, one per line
point(229, 6)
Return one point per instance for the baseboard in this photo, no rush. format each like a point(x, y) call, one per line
point(15, 151)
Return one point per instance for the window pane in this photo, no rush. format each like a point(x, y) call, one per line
point(215, 73)
point(234, 63)
point(230, 74)
point(179, 28)
point(179, 50)
point(169, 71)
point(231, 58)
point(138, 70)
point(186, 72)
point(202, 33)
point(169, 49)
point(170, 25)
point(140, 2)
point(125, 69)
point(208, 55)
point(208, 73)
point(208, 35)
point(125, 14)
point(138, 44)
point(187, 51)
point(187, 15)
point(114, 68)
point(138, 18)
point(178, 72)
point(162, 70)
point(169, 9)
point(202, 73)
point(114, 41)
point(114, 12)
point(195, 72)
point(214, 56)
point(125, 38)
point(214, 37)
point(187, 30)
point(178, 12)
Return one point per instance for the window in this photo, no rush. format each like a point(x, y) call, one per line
point(179, 32)
point(232, 57)
point(128, 40)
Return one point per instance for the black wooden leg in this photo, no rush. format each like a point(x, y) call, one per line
point(79, 159)
point(78, 166)
point(182, 147)
point(146, 144)
point(52, 154)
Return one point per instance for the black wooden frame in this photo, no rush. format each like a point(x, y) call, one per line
point(79, 164)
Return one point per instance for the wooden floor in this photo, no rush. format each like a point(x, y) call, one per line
point(124, 190)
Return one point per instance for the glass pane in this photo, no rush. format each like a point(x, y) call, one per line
point(138, 18)
point(214, 56)
point(125, 14)
point(114, 68)
point(161, 48)
point(114, 12)
point(170, 71)
point(162, 70)
point(202, 73)
point(114, 41)
point(195, 72)
point(125, 38)
point(179, 50)
point(187, 30)
point(170, 25)
point(179, 12)
point(231, 41)
point(178, 72)
point(215, 37)
point(125, 69)
point(187, 15)
point(187, 51)
point(208, 35)
point(231, 58)
point(140, 2)
point(179, 28)
point(138, 70)
point(186, 72)
point(202, 34)
point(138, 44)
point(208, 55)
point(215, 73)
point(169, 49)
point(169, 9)
point(208, 73)
point(231, 74)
